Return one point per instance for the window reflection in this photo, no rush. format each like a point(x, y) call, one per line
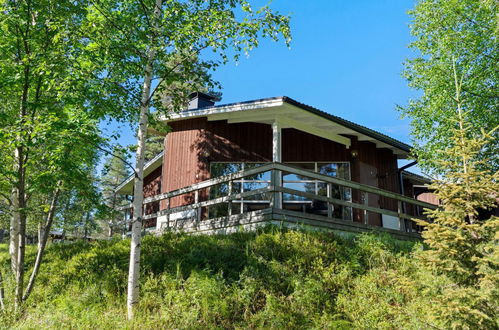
point(290, 180)
point(302, 183)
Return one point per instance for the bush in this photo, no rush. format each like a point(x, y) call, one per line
point(270, 279)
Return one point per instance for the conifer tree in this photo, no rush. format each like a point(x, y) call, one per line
point(155, 145)
point(462, 238)
point(114, 173)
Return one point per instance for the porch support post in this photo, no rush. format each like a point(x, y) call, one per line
point(402, 221)
point(276, 158)
point(276, 142)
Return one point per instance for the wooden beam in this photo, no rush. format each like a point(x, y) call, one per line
point(308, 128)
point(249, 113)
point(365, 138)
point(276, 141)
point(276, 179)
point(253, 118)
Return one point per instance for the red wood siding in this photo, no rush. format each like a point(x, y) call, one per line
point(298, 146)
point(152, 187)
point(194, 143)
point(428, 197)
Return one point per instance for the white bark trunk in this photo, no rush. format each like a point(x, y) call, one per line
point(14, 232)
point(2, 295)
point(138, 195)
point(19, 212)
point(40, 234)
point(44, 231)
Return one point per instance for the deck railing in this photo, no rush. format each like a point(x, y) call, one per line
point(198, 198)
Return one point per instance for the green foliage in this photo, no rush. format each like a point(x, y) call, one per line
point(455, 124)
point(154, 145)
point(457, 232)
point(461, 34)
point(270, 279)
point(48, 136)
point(114, 172)
point(191, 40)
point(462, 240)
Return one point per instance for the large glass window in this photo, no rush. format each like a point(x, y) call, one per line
point(291, 181)
point(249, 183)
point(302, 183)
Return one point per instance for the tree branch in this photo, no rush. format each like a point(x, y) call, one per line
point(120, 158)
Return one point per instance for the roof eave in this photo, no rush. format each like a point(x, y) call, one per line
point(157, 161)
point(278, 101)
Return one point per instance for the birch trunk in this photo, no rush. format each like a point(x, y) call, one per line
point(138, 195)
point(40, 233)
point(42, 243)
point(14, 232)
point(2, 294)
point(19, 211)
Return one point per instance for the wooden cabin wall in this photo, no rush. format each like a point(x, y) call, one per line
point(152, 187)
point(194, 143)
point(376, 167)
point(298, 146)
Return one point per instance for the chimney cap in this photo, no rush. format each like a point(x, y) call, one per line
point(202, 96)
point(199, 100)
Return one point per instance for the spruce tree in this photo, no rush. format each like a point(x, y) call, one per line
point(155, 145)
point(114, 173)
point(462, 239)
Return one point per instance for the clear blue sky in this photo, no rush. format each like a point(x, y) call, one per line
point(345, 58)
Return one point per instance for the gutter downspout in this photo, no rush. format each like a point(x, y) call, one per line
point(401, 186)
point(401, 178)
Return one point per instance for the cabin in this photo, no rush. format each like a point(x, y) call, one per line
point(277, 161)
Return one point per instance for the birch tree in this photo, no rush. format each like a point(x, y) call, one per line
point(144, 42)
point(463, 33)
point(46, 128)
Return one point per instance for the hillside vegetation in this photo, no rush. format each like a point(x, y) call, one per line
point(271, 279)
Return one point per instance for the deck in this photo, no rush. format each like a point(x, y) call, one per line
point(260, 196)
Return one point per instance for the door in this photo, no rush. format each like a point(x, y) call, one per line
point(369, 176)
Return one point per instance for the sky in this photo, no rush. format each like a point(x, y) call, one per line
point(345, 58)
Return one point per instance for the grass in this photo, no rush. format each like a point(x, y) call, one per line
point(271, 279)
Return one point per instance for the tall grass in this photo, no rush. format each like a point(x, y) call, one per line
point(274, 278)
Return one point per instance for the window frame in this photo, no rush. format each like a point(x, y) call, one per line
point(316, 183)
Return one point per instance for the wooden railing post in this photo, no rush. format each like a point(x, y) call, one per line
point(229, 203)
point(329, 205)
point(364, 197)
point(401, 220)
point(276, 183)
point(198, 209)
point(168, 213)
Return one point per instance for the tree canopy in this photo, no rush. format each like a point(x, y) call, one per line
point(460, 35)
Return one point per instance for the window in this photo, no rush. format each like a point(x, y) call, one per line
point(249, 183)
point(301, 183)
point(290, 180)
